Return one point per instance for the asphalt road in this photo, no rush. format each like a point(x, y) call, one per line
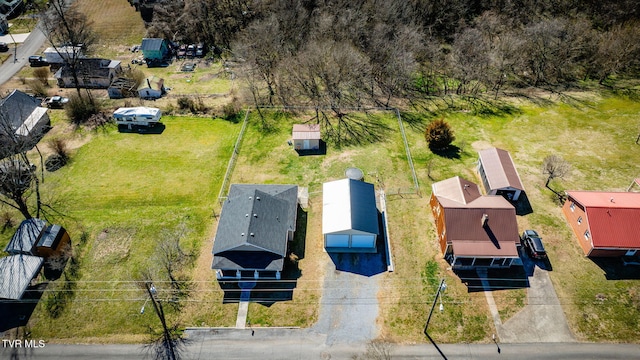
point(287, 348)
point(31, 46)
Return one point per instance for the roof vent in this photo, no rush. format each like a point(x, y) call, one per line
point(258, 198)
point(252, 234)
point(250, 198)
point(255, 215)
point(611, 199)
point(242, 234)
point(485, 220)
point(246, 215)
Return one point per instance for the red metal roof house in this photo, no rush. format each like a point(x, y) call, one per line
point(606, 224)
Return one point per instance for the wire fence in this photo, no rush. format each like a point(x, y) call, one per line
point(232, 160)
point(409, 159)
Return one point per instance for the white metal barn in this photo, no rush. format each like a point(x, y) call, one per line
point(141, 116)
point(306, 136)
point(349, 216)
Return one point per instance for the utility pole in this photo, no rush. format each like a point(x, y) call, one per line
point(157, 305)
point(426, 326)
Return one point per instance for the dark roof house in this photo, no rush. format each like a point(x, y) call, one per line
point(26, 237)
point(605, 224)
point(92, 73)
point(23, 123)
point(16, 273)
point(473, 230)
point(255, 226)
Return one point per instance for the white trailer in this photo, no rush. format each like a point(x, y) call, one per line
point(63, 53)
point(139, 116)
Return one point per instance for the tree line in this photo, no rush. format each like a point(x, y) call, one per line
point(380, 50)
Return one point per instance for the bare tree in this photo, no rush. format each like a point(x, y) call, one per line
point(554, 166)
point(69, 31)
point(172, 258)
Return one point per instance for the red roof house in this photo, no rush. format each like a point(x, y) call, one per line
point(473, 230)
point(606, 224)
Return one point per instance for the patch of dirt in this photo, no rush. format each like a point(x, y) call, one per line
point(113, 244)
point(480, 145)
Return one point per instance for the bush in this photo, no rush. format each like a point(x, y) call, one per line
point(42, 74)
point(38, 88)
point(81, 108)
point(231, 110)
point(186, 103)
point(439, 135)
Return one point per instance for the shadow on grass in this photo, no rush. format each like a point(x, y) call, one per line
point(366, 264)
point(523, 206)
point(137, 129)
point(484, 107)
point(321, 150)
point(14, 314)
point(450, 152)
point(514, 277)
point(615, 268)
point(415, 121)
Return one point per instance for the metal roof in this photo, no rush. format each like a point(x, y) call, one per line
point(153, 44)
point(16, 272)
point(613, 217)
point(253, 227)
point(134, 111)
point(49, 235)
point(464, 209)
point(349, 206)
point(306, 132)
point(499, 168)
point(26, 236)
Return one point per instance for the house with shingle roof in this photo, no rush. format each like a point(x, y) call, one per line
point(498, 174)
point(474, 230)
point(255, 226)
point(23, 123)
point(605, 224)
point(92, 73)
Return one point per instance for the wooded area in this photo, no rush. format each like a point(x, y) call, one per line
point(338, 52)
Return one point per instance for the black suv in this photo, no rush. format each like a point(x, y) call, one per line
point(36, 61)
point(532, 243)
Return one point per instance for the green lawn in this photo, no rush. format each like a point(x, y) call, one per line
point(123, 190)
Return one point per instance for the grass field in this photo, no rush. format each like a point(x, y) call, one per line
point(123, 190)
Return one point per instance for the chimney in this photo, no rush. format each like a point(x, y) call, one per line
point(485, 220)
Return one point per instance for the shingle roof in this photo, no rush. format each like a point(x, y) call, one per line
point(253, 226)
point(349, 204)
point(613, 217)
point(16, 272)
point(499, 168)
point(306, 131)
point(26, 237)
point(464, 209)
point(16, 108)
point(92, 67)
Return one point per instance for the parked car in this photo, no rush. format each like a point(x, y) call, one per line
point(532, 243)
point(188, 67)
point(4, 47)
point(36, 61)
point(191, 51)
point(200, 50)
point(182, 51)
point(56, 102)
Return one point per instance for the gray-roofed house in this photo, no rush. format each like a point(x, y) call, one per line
point(16, 273)
point(23, 123)
point(474, 230)
point(92, 73)
point(34, 237)
point(255, 226)
point(498, 173)
point(349, 216)
point(26, 237)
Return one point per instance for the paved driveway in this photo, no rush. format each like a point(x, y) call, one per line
point(349, 303)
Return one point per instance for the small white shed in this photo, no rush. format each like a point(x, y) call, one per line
point(349, 216)
point(306, 136)
point(140, 116)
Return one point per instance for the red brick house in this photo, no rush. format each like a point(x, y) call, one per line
point(606, 224)
point(474, 230)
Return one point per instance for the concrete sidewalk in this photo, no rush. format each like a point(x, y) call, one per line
point(18, 38)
